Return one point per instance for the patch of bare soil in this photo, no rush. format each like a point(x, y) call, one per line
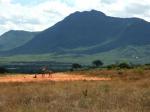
point(53, 77)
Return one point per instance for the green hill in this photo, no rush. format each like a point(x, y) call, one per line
point(13, 39)
point(85, 36)
point(132, 54)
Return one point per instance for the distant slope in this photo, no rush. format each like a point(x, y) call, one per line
point(133, 54)
point(93, 31)
point(13, 39)
point(89, 34)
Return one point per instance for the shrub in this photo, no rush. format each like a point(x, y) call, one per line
point(76, 66)
point(139, 70)
point(3, 70)
point(124, 65)
point(113, 66)
point(97, 63)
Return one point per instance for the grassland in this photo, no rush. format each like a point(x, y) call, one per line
point(128, 91)
point(134, 54)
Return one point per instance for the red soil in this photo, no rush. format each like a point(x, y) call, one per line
point(55, 77)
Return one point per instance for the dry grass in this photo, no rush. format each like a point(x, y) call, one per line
point(129, 91)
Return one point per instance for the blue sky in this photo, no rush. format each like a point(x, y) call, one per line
point(37, 15)
point(27, 2)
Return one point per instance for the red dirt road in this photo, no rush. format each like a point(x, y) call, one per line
point(55, 77)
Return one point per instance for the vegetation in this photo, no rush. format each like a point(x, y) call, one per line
point(124, 65)
point(97, 63)
point(112, 66)
point(110, 57)
point(76, 66)
point(113, 36)
point(126, 93)
point(83, 47)
point(13, 39)
point(3, 70)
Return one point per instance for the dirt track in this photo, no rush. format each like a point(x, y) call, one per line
point(55, 77)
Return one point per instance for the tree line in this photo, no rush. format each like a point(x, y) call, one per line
point(95, 64)
point(100, 64)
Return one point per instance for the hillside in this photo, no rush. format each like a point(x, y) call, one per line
point(13, 39)
point(89, 29)
point(89, 35)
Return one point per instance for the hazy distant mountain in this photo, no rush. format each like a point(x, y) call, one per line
point(88, 32)
point(13, 39)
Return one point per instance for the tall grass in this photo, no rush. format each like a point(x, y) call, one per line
point(119, 95)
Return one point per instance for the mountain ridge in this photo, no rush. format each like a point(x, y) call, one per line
point(89, 32)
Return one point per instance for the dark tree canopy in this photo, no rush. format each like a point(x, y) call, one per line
point(3, 70)
point(124, 65)
point(76, 66)
point(97, 63)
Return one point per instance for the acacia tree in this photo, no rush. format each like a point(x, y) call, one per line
point(76, 66)
point(3, 70)
point(97, 63)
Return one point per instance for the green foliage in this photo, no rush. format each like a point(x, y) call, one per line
point(107, 57)
point(112, 66)
point(3, 70)
point(124, 65)
point(97, 63)
point(76, 66)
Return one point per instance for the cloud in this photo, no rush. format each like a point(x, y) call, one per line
point(137, 9)
point(37, 15)
point(5, 1)
point(108, 1)
point(34, 18)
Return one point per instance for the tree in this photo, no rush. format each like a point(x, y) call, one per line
point(112, 66)
point(3, 70)
point(76, 66)
point(97, 63)
point(124, 65)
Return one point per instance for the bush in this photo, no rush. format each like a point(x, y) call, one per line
point(76, 66)
point(97, 63)
point(148, 64)
point(113, 66)
point(124, 65)
point(3, 70)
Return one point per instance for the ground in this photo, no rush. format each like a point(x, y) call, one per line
point(54, 77)
point(125, 91)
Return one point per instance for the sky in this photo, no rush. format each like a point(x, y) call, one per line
point(37, 15)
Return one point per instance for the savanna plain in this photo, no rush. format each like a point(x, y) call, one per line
point(127, 91)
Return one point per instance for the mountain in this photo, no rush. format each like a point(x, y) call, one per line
point(13, 39)
point(88, 33)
